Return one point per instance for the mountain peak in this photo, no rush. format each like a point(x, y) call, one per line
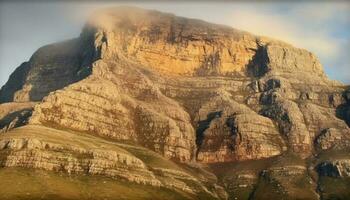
point(140, 17)
point(157, 99)
point(191, 47)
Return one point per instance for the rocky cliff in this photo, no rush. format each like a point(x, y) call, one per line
point(196, 93)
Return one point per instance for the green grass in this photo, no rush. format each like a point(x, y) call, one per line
point(39, 183)
point(333, 155)
point(228, 174)
point(222, 170)
point(268, 189)
point(22, 184)
point(334, 188)
point(283, 186)
point(18, 184)
point(88, 141)
point(150, 158)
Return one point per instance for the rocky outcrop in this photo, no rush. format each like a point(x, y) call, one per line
point(56, 150)
point(188, 90)
point(291, 123)
point(108, 108)
point(15, 83)
point(344, 109)
point(159, 40)
point(30, 154)
point(43, 154)
point(335, 168)
point(133, 94)
point(229, 131)
point(333, 139)
point(288, 181)
point(50, 68)
point(13, 115)
point(288, 60)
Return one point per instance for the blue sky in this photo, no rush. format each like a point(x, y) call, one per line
point(322, 28)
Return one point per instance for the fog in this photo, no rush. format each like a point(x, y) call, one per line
point(323, 28)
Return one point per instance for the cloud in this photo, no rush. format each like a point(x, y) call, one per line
point(322, 28)
point(295, 26)
point(339, 67)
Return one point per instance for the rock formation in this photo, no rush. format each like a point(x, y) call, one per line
point(193, 92)
point(13, 115)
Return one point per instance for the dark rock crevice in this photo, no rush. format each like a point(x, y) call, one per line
point(204, 125)
point(15, 119)
point(257, 67)
point(343, 110)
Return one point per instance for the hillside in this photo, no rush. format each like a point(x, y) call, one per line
point(178, 108)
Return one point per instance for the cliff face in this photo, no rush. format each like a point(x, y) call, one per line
point(191, 91)
point(51, 67)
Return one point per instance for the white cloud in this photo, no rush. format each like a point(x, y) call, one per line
point(298, 30)
point(322, 28)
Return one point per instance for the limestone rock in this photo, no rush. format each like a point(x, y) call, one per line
point(50, 68)
point(335, 168)
point(344, 109)
point(291, 123)
point(13, 115)
point(185, 90)
point(36, 153)
point(105, 106)
point(333, 138)
point(283, 59)
point(288, 181)
point(191, 47)
point(45, 148)
point(240, 135)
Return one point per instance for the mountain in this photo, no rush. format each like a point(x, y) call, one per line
point(176, 108)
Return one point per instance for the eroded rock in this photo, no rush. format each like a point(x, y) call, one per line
point(335, 168)
point(189, 90)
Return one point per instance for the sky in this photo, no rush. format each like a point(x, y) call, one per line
point(320, 27)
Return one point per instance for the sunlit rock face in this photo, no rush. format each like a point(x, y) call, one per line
point(173, 45)
point(154, 73)
point(191, 91)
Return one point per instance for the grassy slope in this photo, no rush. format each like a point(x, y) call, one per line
point(334, 188)
point(16, 183)
point(297, 186)
point(21, 184)
point(60, 186)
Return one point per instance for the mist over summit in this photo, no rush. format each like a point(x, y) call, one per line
point(193, 109)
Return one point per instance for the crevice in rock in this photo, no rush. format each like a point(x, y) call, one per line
point(204, 125)
point(15, 119)
point(343, 110)
point(257, 67)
